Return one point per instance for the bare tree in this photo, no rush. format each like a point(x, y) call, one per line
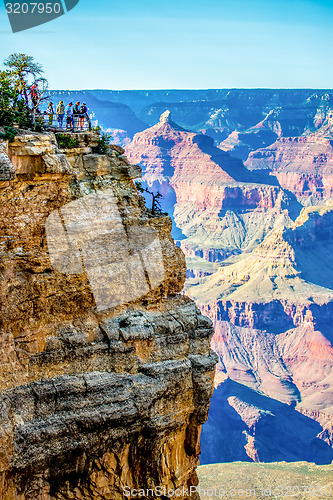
point(155, 205)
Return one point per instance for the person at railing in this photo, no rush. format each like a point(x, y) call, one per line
point(34, 95)
point(50, 112)
point(76, 113)
point(69, 116)
point(83, 114)
point(60, 113)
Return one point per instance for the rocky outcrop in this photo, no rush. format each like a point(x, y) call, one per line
point(240, 144)
point(169, 145)
point(93, 399)
point(7, 171)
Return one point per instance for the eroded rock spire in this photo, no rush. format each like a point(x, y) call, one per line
point(166, 117)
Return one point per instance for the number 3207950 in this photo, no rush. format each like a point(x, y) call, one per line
point(33, 8)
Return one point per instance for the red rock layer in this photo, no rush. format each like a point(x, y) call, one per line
point(303, 165)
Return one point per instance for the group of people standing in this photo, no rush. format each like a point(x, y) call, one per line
point(75, 115)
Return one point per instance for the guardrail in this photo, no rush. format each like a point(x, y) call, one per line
point(78, 123)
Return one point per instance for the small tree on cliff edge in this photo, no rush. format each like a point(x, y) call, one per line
point(24, 73)
point(8, 96)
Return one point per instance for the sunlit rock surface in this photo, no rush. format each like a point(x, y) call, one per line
point(91, 400)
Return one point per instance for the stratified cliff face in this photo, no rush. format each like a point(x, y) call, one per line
point(241, 143)
point(92, 400)
point(216, 203)
point(303, 165)
point(272, 312)
point(266, 283)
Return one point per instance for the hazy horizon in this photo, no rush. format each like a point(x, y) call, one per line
point(323, 89)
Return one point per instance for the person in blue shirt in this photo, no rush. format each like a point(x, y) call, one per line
point(69, 116)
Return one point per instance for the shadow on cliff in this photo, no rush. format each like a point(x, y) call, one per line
point(236, 169)
point(270, 316)
point(222, 436)
point(313, 246)
point(278, 431)
point(231, 165)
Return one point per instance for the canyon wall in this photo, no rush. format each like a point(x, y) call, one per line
point(247, 119)
point(302, 165)
point(93, 399)
point(260, 266)
point(272, 313)
point(218, 206)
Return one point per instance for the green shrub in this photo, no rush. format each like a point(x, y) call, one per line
point(65, 141)
point(9, 133)
point(103, 144)
point(139, 187)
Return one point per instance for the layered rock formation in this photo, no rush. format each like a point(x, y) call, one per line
point(303, 165)
point(92, 399)
point(241, 143)
point(215, 202)
point(271, 311)
point(266, 283)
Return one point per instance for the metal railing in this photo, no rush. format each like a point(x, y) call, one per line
point(76, 123)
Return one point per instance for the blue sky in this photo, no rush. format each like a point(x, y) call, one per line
point(148, 44)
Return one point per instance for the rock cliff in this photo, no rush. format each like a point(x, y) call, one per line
point(271, 309)
point(92, 399)
point(220, 112)
point(241, 143)
point(303, 165)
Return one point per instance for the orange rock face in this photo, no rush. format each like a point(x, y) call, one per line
point(210, 194)
point(92, 400)
point(272, 312)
